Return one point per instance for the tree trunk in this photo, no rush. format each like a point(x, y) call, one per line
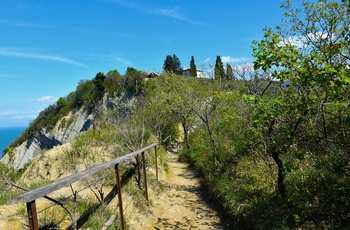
point(186, 135)
point(281, 174)
point(216, 162)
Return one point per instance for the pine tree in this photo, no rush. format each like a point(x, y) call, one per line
point(219, 71)
point(172, 64)
point(177, 65)
point(193, 68)
point(168, 64)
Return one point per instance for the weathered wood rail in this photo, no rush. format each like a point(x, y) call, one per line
point(30, 196)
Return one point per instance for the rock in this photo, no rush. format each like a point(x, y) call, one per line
point(66, 129)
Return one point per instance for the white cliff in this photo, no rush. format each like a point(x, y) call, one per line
point(66, 129)
point(79, 122)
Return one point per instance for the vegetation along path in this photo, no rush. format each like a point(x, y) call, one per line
point(182, 204)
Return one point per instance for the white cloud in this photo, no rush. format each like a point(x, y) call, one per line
point(207, 60)
point(174, 12)
point(8, 113)
point(47, 98)
point(228, 59)
point(302, 40)
point(244, 67)
point(24, 117)
point(15, 53)
point(112, 58)
point(19, 115)
point(120, 59)
point(299, 42)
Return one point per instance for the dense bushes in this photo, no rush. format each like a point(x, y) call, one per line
point(231, 139)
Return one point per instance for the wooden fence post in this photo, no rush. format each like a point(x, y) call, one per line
point(144, 175)
point(32, 215)
point(120, 201)
point(155, 153)
point(29, 197)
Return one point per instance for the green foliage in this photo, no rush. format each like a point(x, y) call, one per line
point(177, 65)
point(115, 83)
point(134, 80)
point(46, 118)
point(229, 72)
point(168, 65)
point(319, 190)
point(283, 154)
point(193, 68)
point(100, 215)
point(273, 158)
point(306, 122)
point(87, 94)
point(65, 123)
point(172, 64)
point(12, 175)
point(219, 71)
point(99, 82)
point(156, 111)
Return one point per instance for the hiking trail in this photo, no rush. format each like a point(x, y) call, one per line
point(181, 205)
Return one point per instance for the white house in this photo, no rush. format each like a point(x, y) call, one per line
point(187, 72)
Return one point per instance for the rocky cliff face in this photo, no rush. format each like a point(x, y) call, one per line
point(66, 129)
point(79, 122)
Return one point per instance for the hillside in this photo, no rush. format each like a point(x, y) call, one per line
point(181, 203)
point(270, 157)
point(71, 116)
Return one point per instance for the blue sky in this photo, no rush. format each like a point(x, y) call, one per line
point(47, 46)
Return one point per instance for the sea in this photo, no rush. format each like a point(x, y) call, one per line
point(9, 134)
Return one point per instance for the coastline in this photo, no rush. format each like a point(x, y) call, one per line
point(8, 135)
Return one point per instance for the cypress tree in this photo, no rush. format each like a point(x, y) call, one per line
point(193, 68)
point(219, 71)
point(229, 72)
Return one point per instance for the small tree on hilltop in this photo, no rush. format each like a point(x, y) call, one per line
point(172, 64)
point(168, 64)
point(229, 72)
point(219, 71)
point(193, 68)
point(99, 82)
point(177, 65)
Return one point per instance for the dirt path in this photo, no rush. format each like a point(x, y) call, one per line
point(181, 205)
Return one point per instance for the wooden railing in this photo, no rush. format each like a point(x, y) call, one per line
point(30, 196)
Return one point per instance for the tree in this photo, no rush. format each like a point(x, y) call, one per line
point(229, 72)
point(193, 68)
point(158, 116)
point(178, 94)
point(219, 72)
point(84, 94)
point(168, 65)
point(172, 64)
point(99, 82)
point(311, 49)
point(134, 79)
point(115, 83)
point(177, 65)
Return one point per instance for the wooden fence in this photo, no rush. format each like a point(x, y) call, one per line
point(30, 196)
